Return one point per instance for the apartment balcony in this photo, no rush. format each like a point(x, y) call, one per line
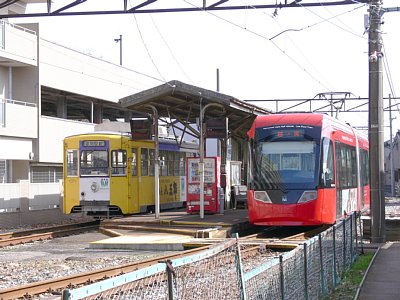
point(18, 119)
point(18, 46)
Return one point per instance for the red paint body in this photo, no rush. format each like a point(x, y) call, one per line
point(346, 192)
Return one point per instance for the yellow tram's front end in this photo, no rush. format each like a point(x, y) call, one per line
point(95, 174)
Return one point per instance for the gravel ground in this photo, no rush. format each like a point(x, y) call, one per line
point(38, 261)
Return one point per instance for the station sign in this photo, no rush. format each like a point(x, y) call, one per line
point(217, 128)
point(142, 128)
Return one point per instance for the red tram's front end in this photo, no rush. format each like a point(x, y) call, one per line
point(291, 178)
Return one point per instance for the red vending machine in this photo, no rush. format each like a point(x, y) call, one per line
point(213, 195)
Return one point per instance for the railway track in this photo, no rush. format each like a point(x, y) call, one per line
point(253, 245)
point(55, 286)
point(40, 234)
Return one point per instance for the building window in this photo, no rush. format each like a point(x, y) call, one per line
point(3, 171)
point(45, 174)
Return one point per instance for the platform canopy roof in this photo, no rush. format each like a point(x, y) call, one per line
point(181, 103)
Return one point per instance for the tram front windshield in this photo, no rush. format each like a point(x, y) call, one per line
point(285, 160)
point(94, 163)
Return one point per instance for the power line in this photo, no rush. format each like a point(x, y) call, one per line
point(147, 49)
point(170, 51)
point(267, 39)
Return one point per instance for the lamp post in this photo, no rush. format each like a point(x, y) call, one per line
point(120, 48)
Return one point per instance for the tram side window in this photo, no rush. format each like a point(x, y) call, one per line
point(134, 162)
point(340, 165)
point(346, 165)
point(118, 162)
point(152, 154)
point(163, 163)
point(72, 162)
point(145, 161)
point(364, 167)
point(353, 167)
point(182, 164)
point(327, 168)
point(170, 163)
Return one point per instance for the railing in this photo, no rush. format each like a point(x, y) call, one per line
point(2, 34)
point(18, 102)
point(3, 23)
point(2, 113)
point(310, 271)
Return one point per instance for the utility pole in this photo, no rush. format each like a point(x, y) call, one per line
point(392, 191)
point(375, 130)
point(120, 48)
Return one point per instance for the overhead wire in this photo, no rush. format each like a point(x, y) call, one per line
point(273, 17)
point(323, 20)
point(334, 24)
point(389, 76)
point(265, 38)
point(147, 49)
point(170, 50)
point(336, 17)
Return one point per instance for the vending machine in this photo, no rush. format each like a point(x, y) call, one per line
point(213, 193)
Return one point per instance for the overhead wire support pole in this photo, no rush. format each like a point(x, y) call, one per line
point(156, 163)
point(375, 130)
point(201, 150)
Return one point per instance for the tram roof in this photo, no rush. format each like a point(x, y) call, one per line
point(181, 101)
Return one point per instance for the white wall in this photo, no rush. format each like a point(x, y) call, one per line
point(27, 91)
point(15, 148)
point(20, 121)
point(20, 45)
point(66, 69)
point(52, 133)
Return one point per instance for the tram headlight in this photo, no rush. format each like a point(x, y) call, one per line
point(308, 196)
point(262, 196)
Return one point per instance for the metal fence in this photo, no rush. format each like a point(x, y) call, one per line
point(310, 271)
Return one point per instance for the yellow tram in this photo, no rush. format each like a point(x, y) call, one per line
point(108, 173)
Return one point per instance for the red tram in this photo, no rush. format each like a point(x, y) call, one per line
point(305, 169)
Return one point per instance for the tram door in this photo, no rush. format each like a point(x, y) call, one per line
point(118, 182)
point(134, 182)
point(339, 180)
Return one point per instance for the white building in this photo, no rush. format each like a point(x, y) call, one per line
point(392, 159)
point(47, 92)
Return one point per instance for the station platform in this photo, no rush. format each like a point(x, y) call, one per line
point(173, 230)
point(382, 280)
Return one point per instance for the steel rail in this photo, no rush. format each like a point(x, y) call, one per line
point(26, 236)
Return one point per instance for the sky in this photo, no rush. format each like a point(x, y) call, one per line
point(291, 53)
